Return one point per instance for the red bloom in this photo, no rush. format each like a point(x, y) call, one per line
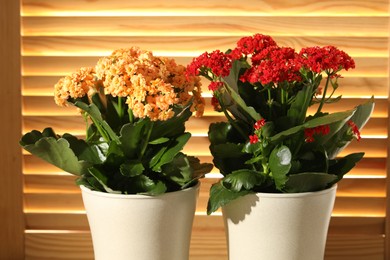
point(218, 62)
point(259, 124)
point(252, 44)
point(253, 139)
point(215, 85)
point(318, 130)
point(274, 64)
point(355, 130)
point(327, 58)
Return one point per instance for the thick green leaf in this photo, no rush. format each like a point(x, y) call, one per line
point(173, 149)
point(94, 112)
point(280, 164)
point(179, 170)
point(309, 181)
point(360, 118)
point(243, 179)
point(218, 132)
point(220, 196)
point(102, 178)
point(227, 150)
point(84, 151)
point(324, 120)
point(160, 140)
point(342, 166)
point(155, 189)
point(132, 168)
point(298, 109)
point(174, 126)
point(56, 152)
point(157, 156)
point(131, 137)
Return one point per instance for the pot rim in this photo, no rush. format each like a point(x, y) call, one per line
point(296, 194)
point(137, 196)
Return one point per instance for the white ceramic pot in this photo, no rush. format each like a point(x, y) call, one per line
point(141, 227)
point(266, 226)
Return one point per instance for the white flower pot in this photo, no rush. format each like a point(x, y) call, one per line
point(141, 227)
point(266, 226)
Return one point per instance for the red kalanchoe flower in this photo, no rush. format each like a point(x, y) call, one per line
point(328, 58)
point(259, 124)
point(215, 85)
point(218, 62)
point(252, 44)
point(355, 130)
point(253, 139)
point(318, 130)
point(274, 65)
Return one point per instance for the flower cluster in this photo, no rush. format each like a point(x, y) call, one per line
point(152, 86)
point(269, 142)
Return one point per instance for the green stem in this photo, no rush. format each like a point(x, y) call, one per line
point(146, 140)
point(131, 116)
point(323, 95)
point(120, 108)
point(101, 131)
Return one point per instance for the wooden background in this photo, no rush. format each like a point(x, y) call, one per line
point(57, 37)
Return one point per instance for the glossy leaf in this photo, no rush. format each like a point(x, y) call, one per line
point(309, 181)
point(220, 196)
point(280, 164)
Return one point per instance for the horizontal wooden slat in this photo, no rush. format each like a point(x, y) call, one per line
point(205, 245)
point(187, 46)
point(213, 25)
point(202, 8)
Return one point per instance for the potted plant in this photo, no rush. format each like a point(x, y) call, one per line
point(279, 162)
point(138, 188)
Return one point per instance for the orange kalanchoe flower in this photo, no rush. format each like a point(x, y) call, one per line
point(151, 85)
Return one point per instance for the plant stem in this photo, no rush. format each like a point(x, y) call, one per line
point(323, 95)
point(146, 140)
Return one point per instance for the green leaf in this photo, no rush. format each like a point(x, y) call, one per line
point(102, 126)
point(342, 166)
point(298, 109)
point(131, 137)
point(179, 170)
point(84, 151)
point(132, 168)
point(173, 149)
point(360, 118)
point(280, 164)
point(309, 181)
point(323, 120)
point(102, 178)
point(243, 179)
point(160, 140)
point(155, 189)
point(174, 126)
point(218, 132)
point(56, 152)
point(220, 196)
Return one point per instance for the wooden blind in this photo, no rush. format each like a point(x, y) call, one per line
point(60, 36)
